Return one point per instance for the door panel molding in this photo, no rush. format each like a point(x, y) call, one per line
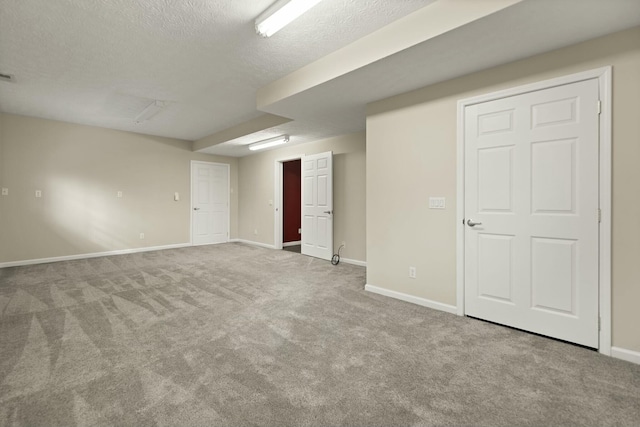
point(191, 201)
point(317, 205)
point(501, 124)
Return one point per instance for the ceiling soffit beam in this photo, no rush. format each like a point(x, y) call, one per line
point(431, 21)
point(258, 124)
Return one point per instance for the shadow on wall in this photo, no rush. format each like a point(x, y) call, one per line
point(501, 75)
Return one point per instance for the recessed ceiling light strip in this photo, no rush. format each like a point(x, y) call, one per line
point(280, 14)
point(151, 110)
point(271, 142)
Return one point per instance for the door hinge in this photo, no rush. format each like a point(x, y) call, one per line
point(599, 215)
point(599, 107)
point(599, 324)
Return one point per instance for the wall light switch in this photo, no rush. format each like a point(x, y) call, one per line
point(5, 191)
point(437, 203)
point(141, 235)
point(119, 194)
point(38, 193)
point(176, 196)
point(270, 202)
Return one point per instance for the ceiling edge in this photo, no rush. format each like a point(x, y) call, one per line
point(429, 22)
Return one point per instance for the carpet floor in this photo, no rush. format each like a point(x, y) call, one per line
point(235, 335)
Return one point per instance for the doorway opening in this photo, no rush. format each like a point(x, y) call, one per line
point(279, 205)
point(291, 205)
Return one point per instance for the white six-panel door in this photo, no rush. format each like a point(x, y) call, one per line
point(209, 203)
point(317, 205)
point(531, 186)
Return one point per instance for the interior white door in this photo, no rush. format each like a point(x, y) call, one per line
point(531, 189)
point(209, 203)
point(317, 205)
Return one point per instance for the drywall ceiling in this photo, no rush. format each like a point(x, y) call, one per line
point(102, 62)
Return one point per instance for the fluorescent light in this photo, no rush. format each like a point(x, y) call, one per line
point(280, 14)
point(152, 109)
point(269, 143)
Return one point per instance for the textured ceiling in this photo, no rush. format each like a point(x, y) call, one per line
point(101, 62)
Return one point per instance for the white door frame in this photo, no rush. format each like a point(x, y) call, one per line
point(228, 166)
point(277, 199)
point(604, 80)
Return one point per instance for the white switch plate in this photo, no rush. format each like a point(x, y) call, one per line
point(412, 272)
point(176, 196)
point(38, 193)
point(141, 235)
point(119, 194)
point(437, 203)
point(5, 191)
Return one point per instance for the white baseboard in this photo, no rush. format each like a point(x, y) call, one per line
point(299, 242)
point(412, 299)
point(251, 242)
point(624, 354)
point(90, 255)
point(354, 262)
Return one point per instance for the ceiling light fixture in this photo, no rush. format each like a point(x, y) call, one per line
point(272, 142)
point(151, 110)
point(280, 14)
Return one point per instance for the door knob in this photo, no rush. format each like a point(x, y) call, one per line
point(196, 209)
point(473, 224)
point(329, 212)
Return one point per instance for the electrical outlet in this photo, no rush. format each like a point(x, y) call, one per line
point(141, 236)
point(38, 193)
point(412, 272)
point(255, 231)
point(119, 194)
point(176, 196)
point(299, 230)
point(5, 191)
point(437, 203)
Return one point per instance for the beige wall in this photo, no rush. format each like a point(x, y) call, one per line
point(257, 175)
point(411, 155)
point(79, 170)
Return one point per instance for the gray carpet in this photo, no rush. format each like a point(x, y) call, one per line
point(235, 335)
point(295, 248)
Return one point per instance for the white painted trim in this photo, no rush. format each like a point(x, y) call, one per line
point(284, 245)
point(228, 166)
point(412, 299)
point(264, 245)
point(604, 79)
point(277, 199)
point(624, 354)
point(91, 255)
point(252, 243)
point(460, 210)
point(354, 262)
